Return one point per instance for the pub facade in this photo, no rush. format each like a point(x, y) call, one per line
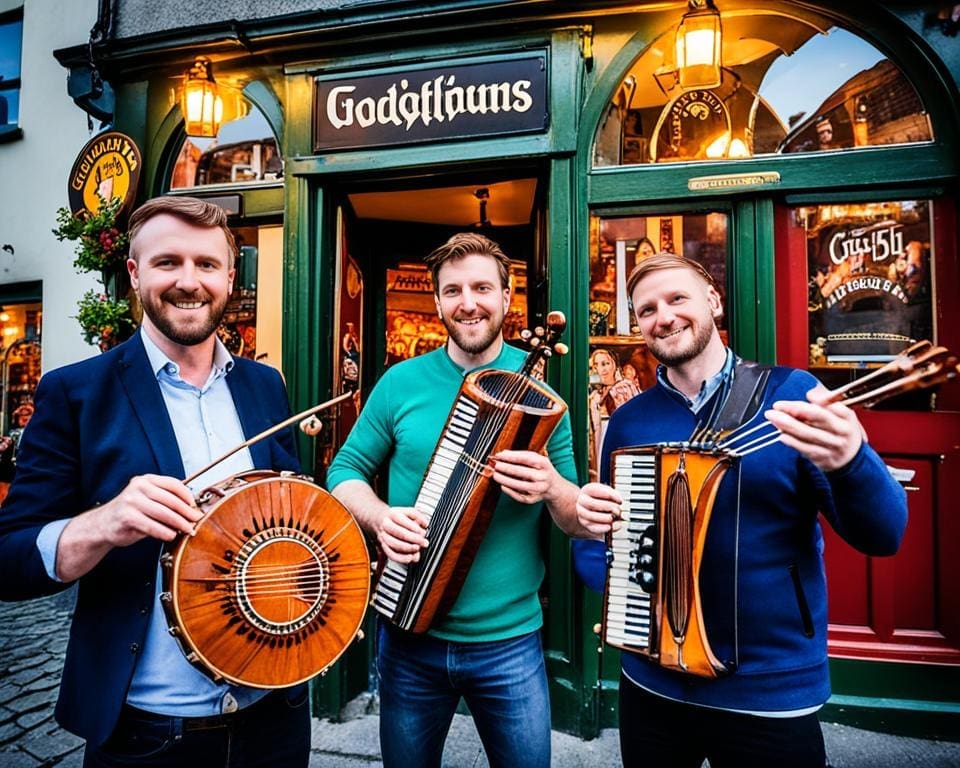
point(807, 157)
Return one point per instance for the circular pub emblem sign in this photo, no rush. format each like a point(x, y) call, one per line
point(107, 167)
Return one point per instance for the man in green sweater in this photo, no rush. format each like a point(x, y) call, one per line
point(486, 649)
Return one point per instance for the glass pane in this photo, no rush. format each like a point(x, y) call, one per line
point(9, 105)
point(11, 34)
point(785, 86)
point(245, 150)
point(870, 287)
point(251, 325)
point(620, 366)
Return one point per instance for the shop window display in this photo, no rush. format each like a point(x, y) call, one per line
point(620, 366)
point(787, 85)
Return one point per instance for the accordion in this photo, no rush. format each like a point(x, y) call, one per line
point(652, 604)
point(495, 410)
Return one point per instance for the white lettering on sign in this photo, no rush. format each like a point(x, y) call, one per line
point(880, 243)
point(437, 100)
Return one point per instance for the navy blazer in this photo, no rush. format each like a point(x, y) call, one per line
point(97, 424)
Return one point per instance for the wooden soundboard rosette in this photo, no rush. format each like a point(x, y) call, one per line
point(273, 585)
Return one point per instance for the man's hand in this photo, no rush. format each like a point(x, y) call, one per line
point(151, 505)
point(400, 533)
point(828, 435)
point(599, 509)
point(526, 476)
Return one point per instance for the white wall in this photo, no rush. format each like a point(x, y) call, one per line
point(34, 170)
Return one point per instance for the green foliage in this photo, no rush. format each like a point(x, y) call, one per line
point(101, 246)
point(105, 321)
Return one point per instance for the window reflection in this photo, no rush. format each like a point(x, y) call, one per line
point(244, 150)
point(787, 85)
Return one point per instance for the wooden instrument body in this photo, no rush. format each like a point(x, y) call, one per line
point(273, 585)
point(460, 519)
point(704, 471)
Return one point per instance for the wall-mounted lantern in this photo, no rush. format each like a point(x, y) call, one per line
point(698, 46)
point(201, 103)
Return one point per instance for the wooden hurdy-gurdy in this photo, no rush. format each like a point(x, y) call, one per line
point(652, 599)
point(495, 410)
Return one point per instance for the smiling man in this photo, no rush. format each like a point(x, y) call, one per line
point(762, 583)
point(487, 647)
point(98, 489)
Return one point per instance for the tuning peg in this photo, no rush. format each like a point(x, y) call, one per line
point(539, 331)
point(548, 352)
point(561, 348)
point(534, 342)
point(525, 334)
point(596, 629)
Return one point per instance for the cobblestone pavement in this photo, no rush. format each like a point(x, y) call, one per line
point(33, 638)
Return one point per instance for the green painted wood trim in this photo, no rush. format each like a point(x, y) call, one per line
point(262, 95)
point(887, 166)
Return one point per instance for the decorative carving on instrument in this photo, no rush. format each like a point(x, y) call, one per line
point(495, 410)
point(669, 491)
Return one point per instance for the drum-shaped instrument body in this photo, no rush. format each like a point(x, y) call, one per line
point(495, 410)
point(274, 584)
point(652, 602)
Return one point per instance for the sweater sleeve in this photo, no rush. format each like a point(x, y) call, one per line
point(370, 441)
point(865, 505)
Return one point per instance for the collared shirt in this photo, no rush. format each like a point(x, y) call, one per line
point(708, 388)
point(206, 425)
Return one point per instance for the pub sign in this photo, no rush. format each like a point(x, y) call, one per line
point(461, 101)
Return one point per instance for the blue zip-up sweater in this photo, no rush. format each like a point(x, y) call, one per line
point(762, 580)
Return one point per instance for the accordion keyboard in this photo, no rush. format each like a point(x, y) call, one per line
point(628, 608)
point(391, 598)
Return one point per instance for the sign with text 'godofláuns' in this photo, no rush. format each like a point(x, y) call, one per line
point(437, 104)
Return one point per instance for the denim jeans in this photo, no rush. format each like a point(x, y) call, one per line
point(422, 679)
point(275, 731)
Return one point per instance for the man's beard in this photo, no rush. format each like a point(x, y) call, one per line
point(679, 356)
point(184, 334)
point(474, 345)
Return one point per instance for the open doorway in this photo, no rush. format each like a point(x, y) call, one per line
point(385, 311)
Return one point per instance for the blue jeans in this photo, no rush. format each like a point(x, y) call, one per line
point(422, 679)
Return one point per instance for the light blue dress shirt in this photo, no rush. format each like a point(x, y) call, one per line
point(206, 425)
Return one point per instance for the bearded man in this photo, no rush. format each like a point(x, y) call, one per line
point(98, 490)
point(487, 648)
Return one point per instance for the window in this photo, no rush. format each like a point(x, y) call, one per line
point(786, 86)
point(11, 45)
point(620, 366)
point(870, 290)
point(244, 150)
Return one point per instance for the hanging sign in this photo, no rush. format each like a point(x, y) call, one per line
point(450, 102)
point(108, 166)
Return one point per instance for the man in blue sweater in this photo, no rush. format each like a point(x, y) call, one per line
point(762, 582)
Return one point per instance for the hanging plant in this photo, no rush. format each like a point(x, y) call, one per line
point(102, 247)
point(105, 321)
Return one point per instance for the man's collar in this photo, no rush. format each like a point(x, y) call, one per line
point(707, 388)
point(222, 359)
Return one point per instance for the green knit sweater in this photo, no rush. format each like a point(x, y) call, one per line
point(400, 424)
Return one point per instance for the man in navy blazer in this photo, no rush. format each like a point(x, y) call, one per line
point(99, 488)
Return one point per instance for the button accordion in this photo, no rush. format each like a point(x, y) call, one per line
point(652, 600)
point(495, 410)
